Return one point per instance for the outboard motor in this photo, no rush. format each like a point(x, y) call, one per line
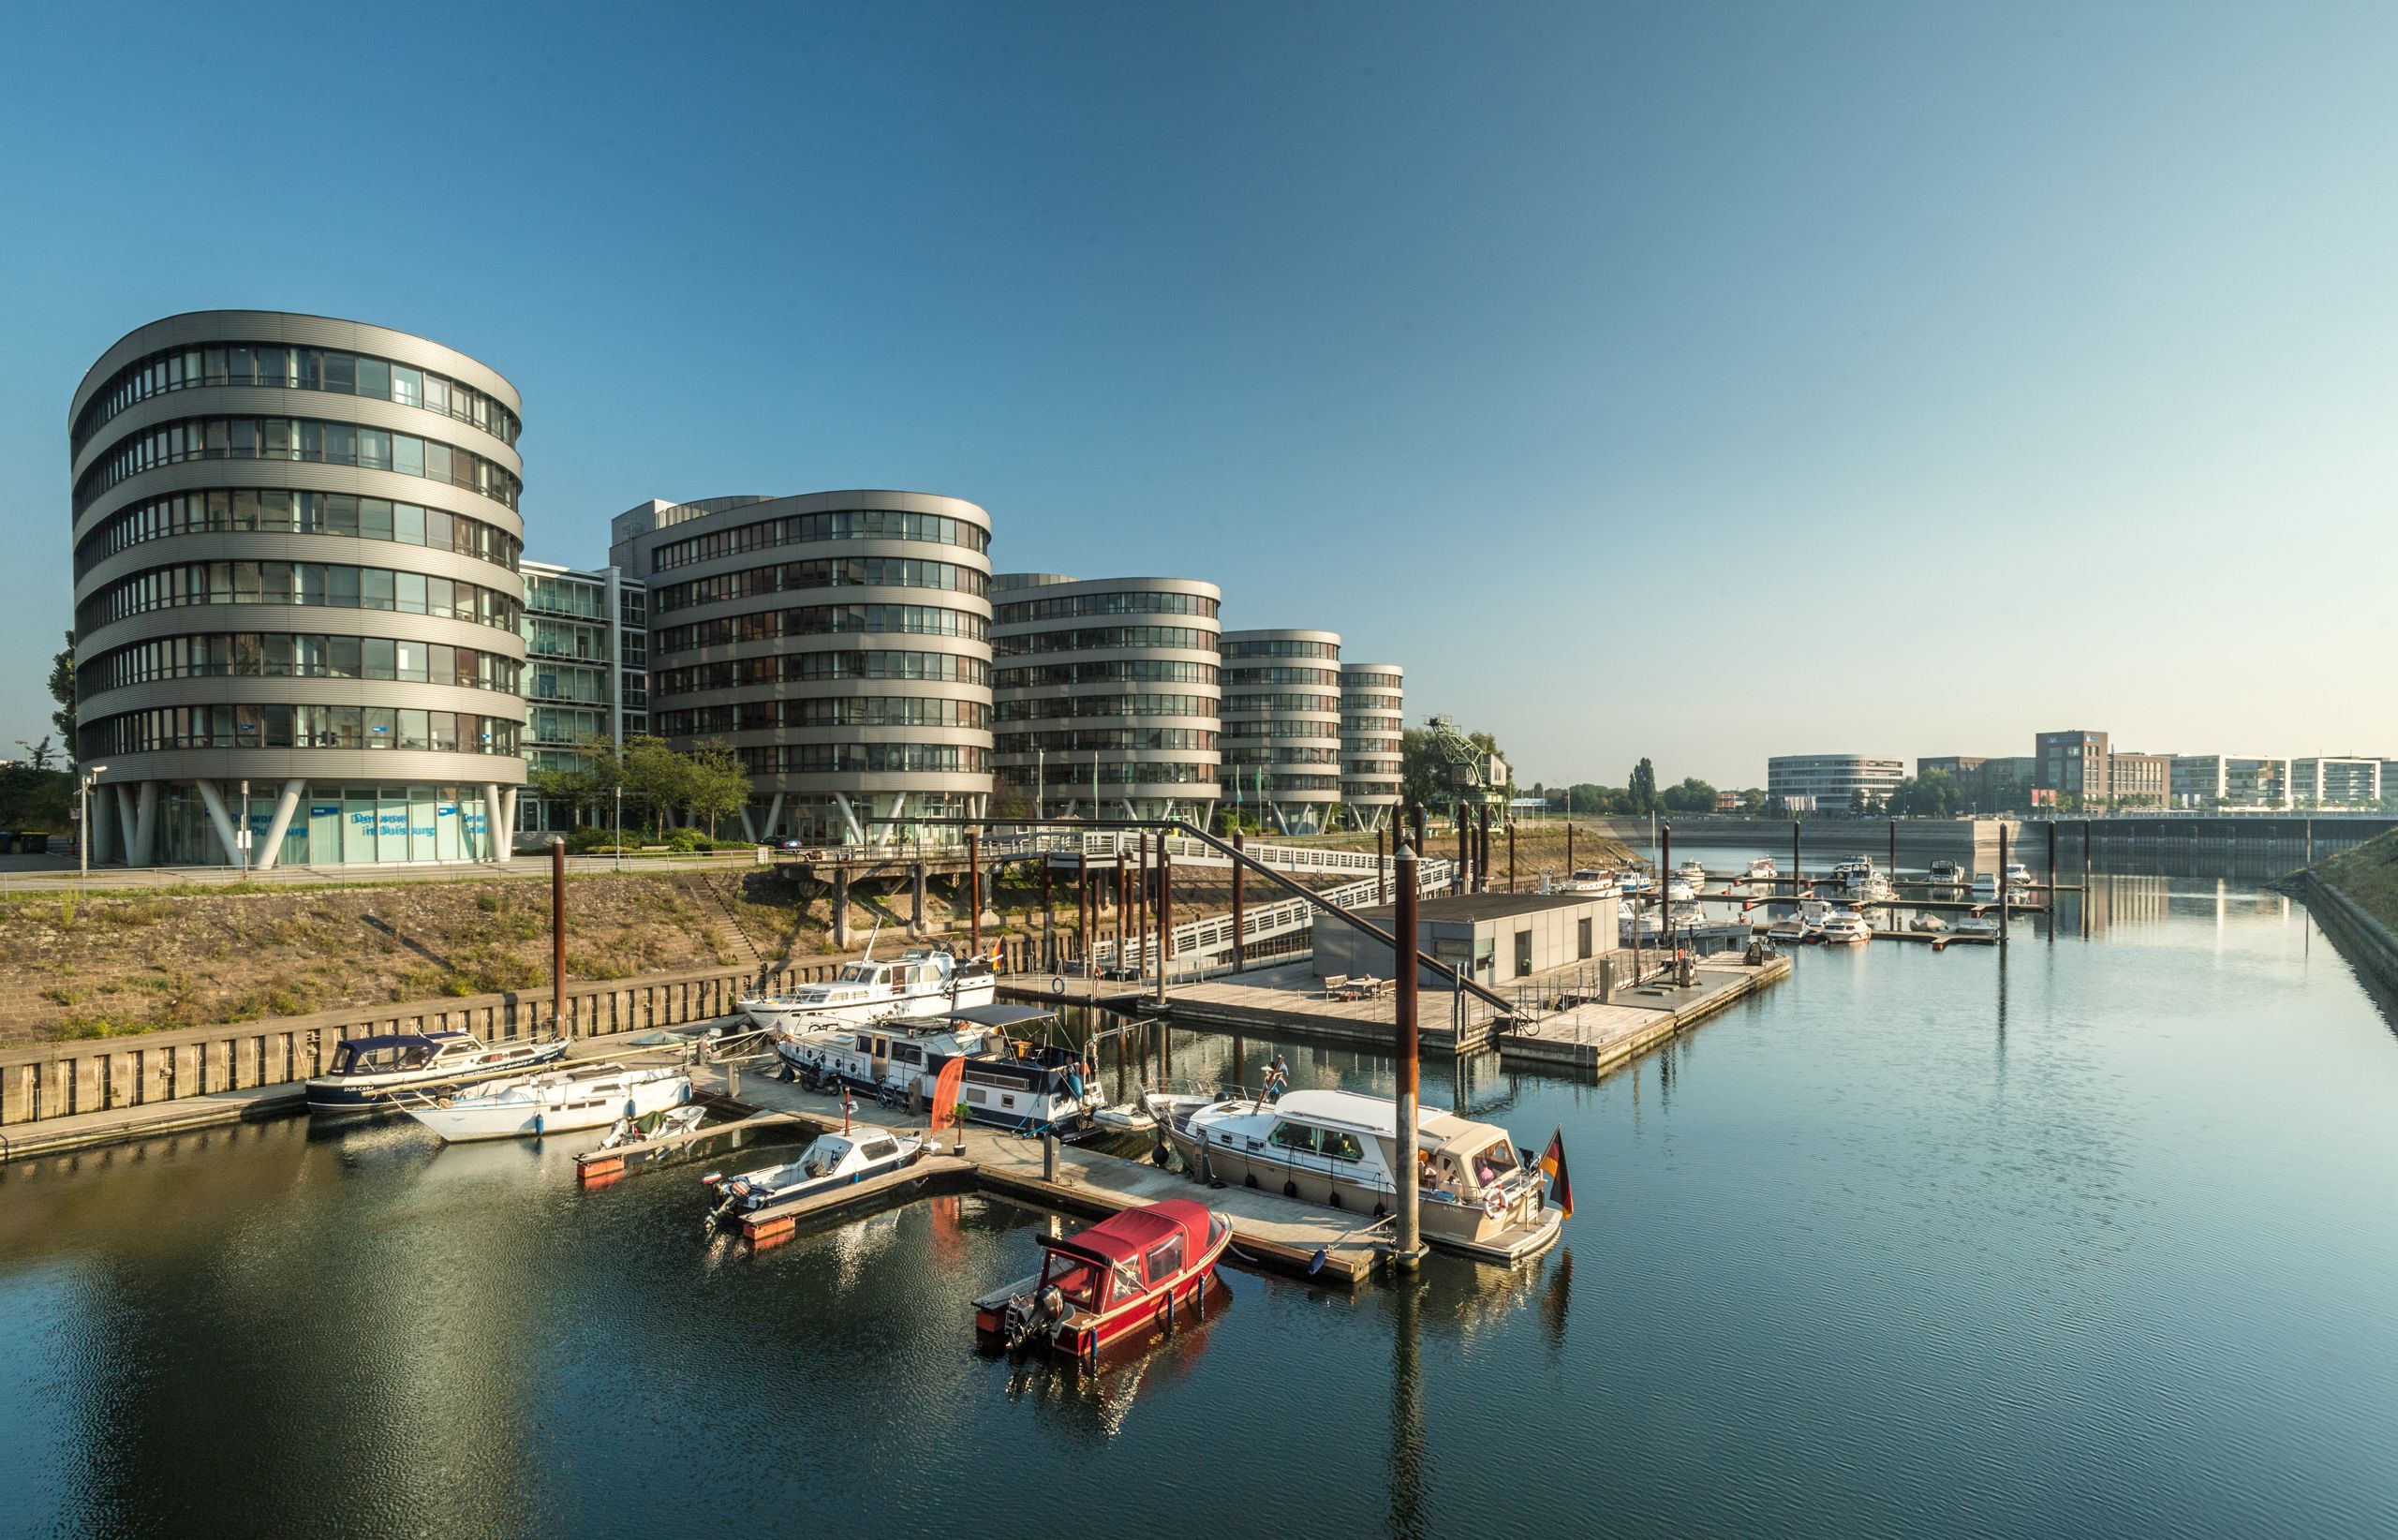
point(1030, 1316)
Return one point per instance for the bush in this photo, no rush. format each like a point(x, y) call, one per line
point(583, 841)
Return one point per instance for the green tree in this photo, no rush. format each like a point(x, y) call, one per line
point(1642, 788)
point(655, 778)
point(715, 786)
point(1693, 796)
point(62, 689)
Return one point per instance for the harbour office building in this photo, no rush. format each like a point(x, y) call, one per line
point(1374, 727)
point(586, 635)
point(1281, 738)
point(1107, 695)
point(840, 642)
point(296, 546)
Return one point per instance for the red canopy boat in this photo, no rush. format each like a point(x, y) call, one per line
point(1128, 1275)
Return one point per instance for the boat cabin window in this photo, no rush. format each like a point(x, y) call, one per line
point(866, 1044)
point(354, 1059)
point(1340, 1144)
point(823, 1156)
point(1292, 1136)
point(880, 1149)
point(1494, 1162)
point(907, 1053)
point(1163, 1261)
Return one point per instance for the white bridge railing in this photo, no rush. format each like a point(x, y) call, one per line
point(1198, 941)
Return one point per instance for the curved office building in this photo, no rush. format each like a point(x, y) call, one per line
point(296, 594)
point(1281, 737)
point(840, 642)
point(1107, 695)
point(1373, 720)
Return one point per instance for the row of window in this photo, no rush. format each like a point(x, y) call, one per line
point(1392, 704)
point(849, 523)
point(1312, 705)
point(1359, 679)
point(548, 680)
point(564, 724)
point(798, 667)
point(582, 642)
point(823, 620)
point(295, 583)
point(1374, 770)
point(1370, 724)
point(1047, 707)
point(1109, 740)
point(826, 711)
point(242, 508)
point(297, 727)
point(1255, 730)
point(1234, 674)
point(829, 572)
point(1276, 647)
point(1235, 753)
point(281, 655)
point(1063, 776)
point(1074, 606)
point(1390, 746)
point(1114, 671)
point(554, 595)
point(865, 759)
point(1189, 639)
point(278, 365)
point(296, 438)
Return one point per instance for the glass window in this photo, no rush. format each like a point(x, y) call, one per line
point(342, 585)
point(308, 583)
point(408, 524)
point(375, 590)
point(410, 592)
point(341, 443)
point(407, 385)
point(341, 372)
point(412, 661)
point(416, 731)
point(438, 463)
point(374, 447)
point(379, 658)
point(374, 378)
point(407, 455)
point(343, 656)
point(382, 726)
point(375, 518)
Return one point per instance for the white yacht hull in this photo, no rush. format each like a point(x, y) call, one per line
point(533, 1118)
point(796, 1013)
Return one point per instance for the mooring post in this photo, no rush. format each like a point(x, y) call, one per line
point(1165, 913)
point(1465, 851)
point(1048, 916)
point(1794, 860)
point(1118, 892)
point(1410, 1252)
point(1382, 873)
point(1419, 831)
point(1241, 948)
point(1894, 856)
point(1511, 855)
point(557, 935)
point(1049, 1155)
point(1482, 860)
point(2003, 885)
point(1081, 906)
point(974, 884)
point(1141, 912)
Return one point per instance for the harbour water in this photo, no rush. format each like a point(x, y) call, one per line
point(2086, 1237)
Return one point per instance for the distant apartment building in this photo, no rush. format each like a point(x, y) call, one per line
point(586, 640)
point(1373, 727)
point(2139, 781)
point(2007, 783)
point(2073, 765)
point(1962, 768)
point(2229, 780)
point(1281, 736)
point(1830, 782)
point(2335, 781)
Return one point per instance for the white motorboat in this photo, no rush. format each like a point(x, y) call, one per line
point(1928, 925)
point(656, 1125)
point(1008, 1079)
point(1679, 892)
point(1870, 888)
point(1646, 920)
point(1762, 869)
point(369, 1072)
point(920, 980)
point(1475, 1194)
point(1853, 871)
point(1685, 917)
point(1633, 880)
point(564, 1101)
point(1844, 926)
point(1692, 872)
point(1978, 925)
point(834, 1160)
point(1590, 880)
point(2017, 875)
point(1986, 885)
point(1948, 874)
point(1802, 925)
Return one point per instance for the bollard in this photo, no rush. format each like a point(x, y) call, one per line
point(731, 1080)
point(1049, 1156)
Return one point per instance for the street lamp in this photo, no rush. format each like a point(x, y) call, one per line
point(83, 819)
point(620, 828)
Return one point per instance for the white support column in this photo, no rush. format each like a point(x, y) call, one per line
point(100, 825)
point(505, 846)
point(222, 819)
point(122, 801)
point(286, 805)
point(495, 816)
point(145, 826)
point(889, 831)
point(774, 815)
point(850, 817)
point(749, 826)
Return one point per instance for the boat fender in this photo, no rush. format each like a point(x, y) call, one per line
point(1249, 1181)
point(1336, 1197)
point(1380, 1211)
point(1158, 1156)
point(1290, 1188)
point(537, 1125)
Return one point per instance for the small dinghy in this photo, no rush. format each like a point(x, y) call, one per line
point(1125, 1277)
point(834, 1160)
point(657, 1125)
point(586, 1096)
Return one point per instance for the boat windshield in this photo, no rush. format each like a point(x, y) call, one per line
point(1077, 1280)
point(1493, 1162)
point(377, 1058)
point(823, 1157)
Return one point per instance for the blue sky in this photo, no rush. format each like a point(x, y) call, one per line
point(1701, 381)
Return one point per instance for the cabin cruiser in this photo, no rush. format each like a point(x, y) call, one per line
point(1843, 926)
point(1640, 920)
point(1986, 885)
point(2017, 875)
point(1124, 1278)
point(1692, 872)
point(919, 980)
point(1633, 880)
point(1803, 925)
point(1853, 871)
point(1008, 1080)
point(1679, 892)
point(1873, 887)
point(1476, 1195)
point(1948, 874)
point(367, 1071)
point(1590, 880)
point(561, 1102)
point(1928, 925)
point(1762, 869)
point(834, 1160)
point(1685, 917)
point(1978, 925)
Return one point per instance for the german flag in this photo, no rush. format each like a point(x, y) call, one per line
point(1553, 1165)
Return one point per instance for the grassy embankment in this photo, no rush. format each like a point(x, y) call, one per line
point(2366, 876)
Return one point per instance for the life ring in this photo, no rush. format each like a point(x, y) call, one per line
point(1494, 1203)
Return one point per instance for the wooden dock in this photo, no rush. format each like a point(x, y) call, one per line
point(1596, 1038)
point(1269, 1230)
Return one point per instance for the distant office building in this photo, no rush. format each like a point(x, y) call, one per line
point(2230, 781)
point(2335, 781)
point(1831, 781)
point(1374, 722)
point(296, 594)
point(1965, 769)
point(587, 639)
point(2007, 783)
point(2139, 781)
point(1281, 738)
point(2073, 766)
point(840, 642)
point(1105, 694)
